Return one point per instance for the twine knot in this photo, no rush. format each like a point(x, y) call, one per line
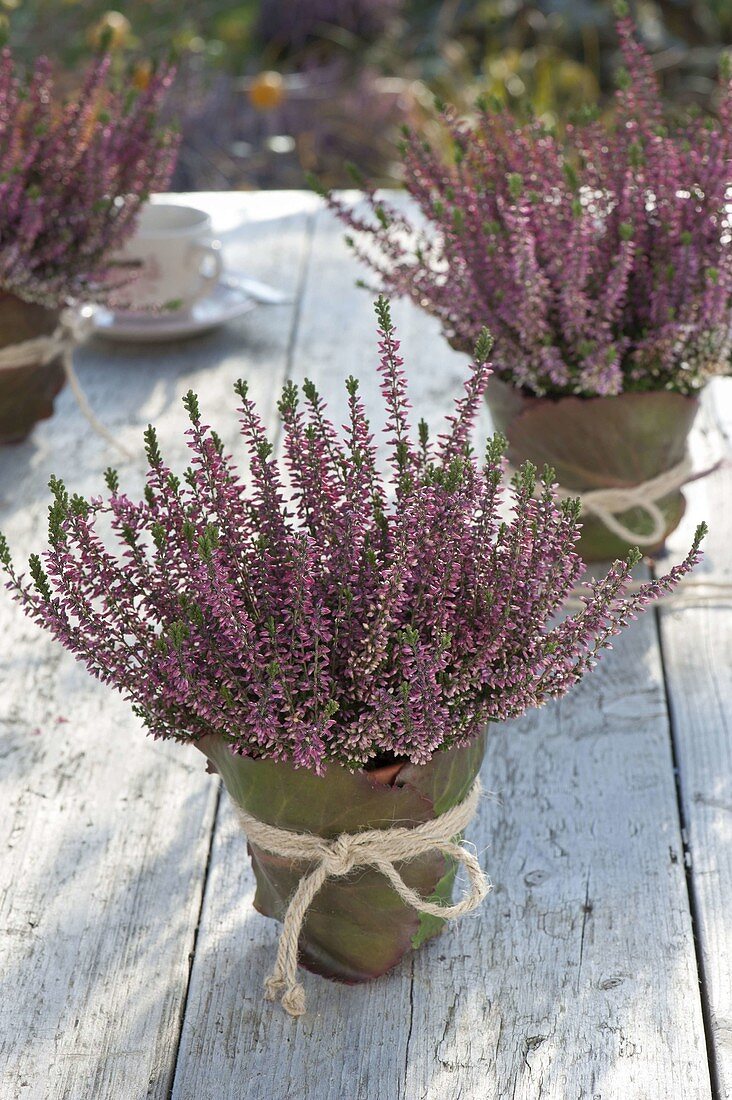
point(378, 848)
point(292, 1000)
point(340, 857)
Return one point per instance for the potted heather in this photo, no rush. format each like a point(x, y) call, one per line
point(337, 649)
point(73, 175)
point(600, 258)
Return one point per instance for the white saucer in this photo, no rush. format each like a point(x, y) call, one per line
point(225, 303)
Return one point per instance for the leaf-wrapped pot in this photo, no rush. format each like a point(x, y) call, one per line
point(599, 443)
point(28, 390)
point(357, 927)
point(355, 622)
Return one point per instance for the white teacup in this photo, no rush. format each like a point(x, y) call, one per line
point(174, 258)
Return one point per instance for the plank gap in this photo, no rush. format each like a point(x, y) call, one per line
point(192, 954)
point(408, 1044)
point(290, 348)
point(687, 856)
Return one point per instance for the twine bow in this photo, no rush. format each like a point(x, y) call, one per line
point(378, 848)
point(607, 504)
point(610, 502)
point(72, 328)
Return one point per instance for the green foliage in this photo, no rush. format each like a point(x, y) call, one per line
point(383, 314)
point(547, 61)
point(111, 478)
point(190, 403)
point(40, 579)
point(483, 347)
point(152, 450)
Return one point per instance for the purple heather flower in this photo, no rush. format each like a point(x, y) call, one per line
point(347, 617)
point(73, 176)
point(599, 258)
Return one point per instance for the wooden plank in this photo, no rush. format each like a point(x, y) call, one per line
point(577, 978)
point(234, 1045)
point(697, 654)
point(105, 833)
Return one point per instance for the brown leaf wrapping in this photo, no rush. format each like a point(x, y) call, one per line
point(357, 926)
point(599, 442)
point(26, 393)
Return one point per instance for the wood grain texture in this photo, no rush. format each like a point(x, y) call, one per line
point(697, 655)
point(577, 978)
point(106, 834)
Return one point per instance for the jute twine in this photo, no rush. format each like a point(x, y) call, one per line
point(378, 848)
point(609, 503)
point(71, 329)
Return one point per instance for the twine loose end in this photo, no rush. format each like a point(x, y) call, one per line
point(293, 1001)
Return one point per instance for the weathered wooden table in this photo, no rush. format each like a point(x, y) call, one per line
point(131, 959)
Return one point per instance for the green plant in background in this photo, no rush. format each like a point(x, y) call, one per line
point(270, 89)
point(211, 30)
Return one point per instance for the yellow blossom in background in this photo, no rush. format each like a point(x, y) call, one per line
point(266, 91)
point(141, 75)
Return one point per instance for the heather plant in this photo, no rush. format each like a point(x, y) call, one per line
point(73, 176)
point(599, 257)
point(319, 609)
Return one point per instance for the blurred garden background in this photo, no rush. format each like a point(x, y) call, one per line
point(270, 90)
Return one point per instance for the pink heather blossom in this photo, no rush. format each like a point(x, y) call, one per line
point(350, 617)
point(73, 176)
point(599, 258)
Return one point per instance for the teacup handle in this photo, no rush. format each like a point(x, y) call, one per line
point(204, 252)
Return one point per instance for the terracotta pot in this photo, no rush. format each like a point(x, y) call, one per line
point(26, 392)
point(357, 926)
point(600, 442)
